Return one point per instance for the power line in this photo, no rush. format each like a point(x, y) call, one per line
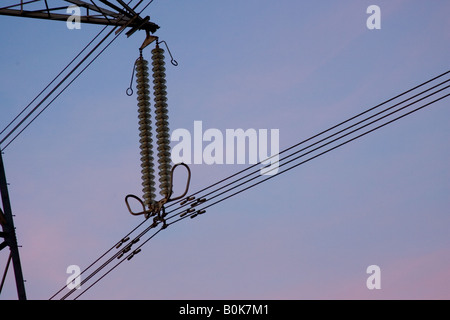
point(180, 211)
point(103, 255)
point(316, 156)
point(313, 150)
point(54, 79)
point(330, 129)
point(58, 85)
point(53, 90)
point(301, 162)
point(145, 6)
point(331, 136)
point(128, 257)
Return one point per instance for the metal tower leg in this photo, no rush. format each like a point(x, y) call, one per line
point(9, 234)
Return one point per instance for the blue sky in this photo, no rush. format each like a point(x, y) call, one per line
point(296, 66)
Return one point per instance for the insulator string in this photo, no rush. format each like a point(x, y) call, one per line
point(145, 133)
point(162, 124)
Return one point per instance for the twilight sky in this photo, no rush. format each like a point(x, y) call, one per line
point(296, 66)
